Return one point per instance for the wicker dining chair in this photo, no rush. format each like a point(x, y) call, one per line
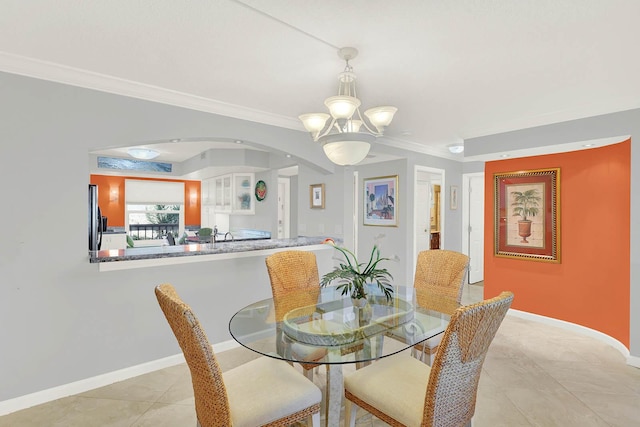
point(402, 391)
point(440, 273)
point(263, 392)
point(295, 283)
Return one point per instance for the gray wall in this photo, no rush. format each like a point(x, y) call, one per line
point(60, 319)
point(620, 125)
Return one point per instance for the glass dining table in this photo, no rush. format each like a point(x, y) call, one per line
point(340, 330)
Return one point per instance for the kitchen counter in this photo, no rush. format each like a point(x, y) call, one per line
point(236, 236)
point(117, 259)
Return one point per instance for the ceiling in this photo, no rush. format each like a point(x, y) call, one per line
point(455, 69)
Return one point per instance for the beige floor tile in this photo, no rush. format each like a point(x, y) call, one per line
point(617, 410)
point(558, 407)
point(165, 415)
point(147, 388)
point(519, 373)
point(584, 377)
point(79, 412)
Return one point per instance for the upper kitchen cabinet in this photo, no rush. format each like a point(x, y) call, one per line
point(222, 193)
point(231, 193)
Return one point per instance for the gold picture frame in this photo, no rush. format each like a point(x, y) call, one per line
point(527, 215)
point(316, 196)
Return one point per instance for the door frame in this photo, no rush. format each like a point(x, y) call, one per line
point(416, 170)
point(466, 203)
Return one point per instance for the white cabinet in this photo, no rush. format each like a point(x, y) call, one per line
point(222, 193)
point(231, 193)
point(114, 241)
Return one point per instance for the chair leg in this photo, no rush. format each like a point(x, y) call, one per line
point(350, 411)
point(314, 420)
point(308, 373)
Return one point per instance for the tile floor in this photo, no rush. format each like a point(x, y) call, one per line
point(534, 375)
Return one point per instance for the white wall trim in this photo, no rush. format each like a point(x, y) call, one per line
point(59, 73)
point(579, 329)
point(81, 386)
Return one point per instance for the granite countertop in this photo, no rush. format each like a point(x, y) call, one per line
point(157, 252)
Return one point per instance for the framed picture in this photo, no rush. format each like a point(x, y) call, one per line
point(527, 215)
point(316, 196)
point(453, 197)
point(381, 201)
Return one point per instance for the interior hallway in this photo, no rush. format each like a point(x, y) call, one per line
point(534, 375)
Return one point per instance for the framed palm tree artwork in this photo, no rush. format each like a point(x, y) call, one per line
point(527, 215)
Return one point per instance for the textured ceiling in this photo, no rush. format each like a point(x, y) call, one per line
point(455, 69)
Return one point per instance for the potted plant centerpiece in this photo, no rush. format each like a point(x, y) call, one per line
point(352, 276)
point(525, 204)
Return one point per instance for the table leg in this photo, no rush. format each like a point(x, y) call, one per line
point(335, 393)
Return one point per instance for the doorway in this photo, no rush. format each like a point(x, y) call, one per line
point(428, 209)
point(473, 224)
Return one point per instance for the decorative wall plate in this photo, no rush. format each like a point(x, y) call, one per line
point(261, 190)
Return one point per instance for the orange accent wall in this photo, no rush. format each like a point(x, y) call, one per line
point(591, 285)
point(114, 209)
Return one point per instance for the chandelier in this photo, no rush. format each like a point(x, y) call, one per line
point(345, 136)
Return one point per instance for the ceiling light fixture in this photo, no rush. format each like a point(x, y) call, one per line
point(456, 148)
point(345, 136)
point(143, 153)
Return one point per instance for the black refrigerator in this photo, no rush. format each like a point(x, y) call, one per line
point(95, 220)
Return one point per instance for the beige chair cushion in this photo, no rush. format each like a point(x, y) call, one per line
point(265, 390)
point(404, 380)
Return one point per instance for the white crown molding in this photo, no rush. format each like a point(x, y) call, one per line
point(50, 71)
point(418, 148)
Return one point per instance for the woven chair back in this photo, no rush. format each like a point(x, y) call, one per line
point(453, 382)
point(441, 272)
point(294, 280)
point(212, 404)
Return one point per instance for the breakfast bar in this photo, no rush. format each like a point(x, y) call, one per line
point(121, 259)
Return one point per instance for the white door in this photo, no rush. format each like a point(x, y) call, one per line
point(423, 214)
point(283, 207)
point(476, 228)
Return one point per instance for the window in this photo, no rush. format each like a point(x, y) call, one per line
point(154, 208)
point(152, 222)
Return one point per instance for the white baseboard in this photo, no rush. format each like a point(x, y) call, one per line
point(583, 330)
point(44, 396)
point(633, 361)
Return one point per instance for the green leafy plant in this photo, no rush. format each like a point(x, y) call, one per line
point(525, 203)
point(352, 276)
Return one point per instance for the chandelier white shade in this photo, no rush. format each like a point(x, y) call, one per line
point(345, 136)
point(347, 148)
